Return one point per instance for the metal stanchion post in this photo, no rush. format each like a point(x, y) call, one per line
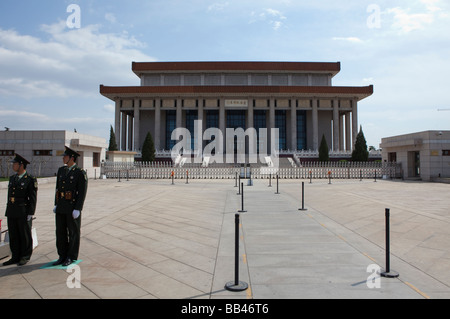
point(242, 199)
point(270, 180)
point(303, 197)
point(236, 285)
point(388, 272)
point(277, 185)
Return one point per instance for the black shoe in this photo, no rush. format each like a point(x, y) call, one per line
point(68, 262)
point(60, 261)
point(10, 262)
point(23, 261)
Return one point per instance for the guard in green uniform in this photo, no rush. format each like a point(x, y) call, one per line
point(22, 196)
point(71, 189)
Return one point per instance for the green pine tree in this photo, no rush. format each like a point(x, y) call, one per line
point(148, 149)
point(323, 150)
point(112, 141)
point(360, 152)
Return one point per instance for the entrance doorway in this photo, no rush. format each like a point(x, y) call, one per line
point(414, 164)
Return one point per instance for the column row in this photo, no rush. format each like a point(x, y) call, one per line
point(344, 124)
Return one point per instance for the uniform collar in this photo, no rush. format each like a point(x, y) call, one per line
point(20, 176)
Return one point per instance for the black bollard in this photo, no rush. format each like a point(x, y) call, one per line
point(242, 199)
point(236, 180)
point(187, 177)
point(375, 176)
point(239, 193)
point(388, 272)
point(236, 285)
point(270, 180)
point(310, 177)
point(303, 197)
point(277, 185)
point(119, 176)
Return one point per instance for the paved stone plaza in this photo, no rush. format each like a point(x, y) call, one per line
point(151, 239)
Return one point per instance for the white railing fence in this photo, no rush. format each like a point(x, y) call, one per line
point(314, 170)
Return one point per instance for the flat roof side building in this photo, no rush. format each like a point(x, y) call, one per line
point(423, 155)
point(298, 98)
point(44, 150)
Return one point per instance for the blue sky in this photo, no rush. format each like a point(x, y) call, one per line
point(50, 73)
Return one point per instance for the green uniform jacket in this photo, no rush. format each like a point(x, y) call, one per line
point(22, 196)
point(71, 189)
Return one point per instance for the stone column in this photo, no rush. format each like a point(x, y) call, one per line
point(117, 123)
point(157, 135)
point(222, 120)
point(315, 124)
point(341, 132)
point(336, 125)
point(200, 118)
point(348, 140)
point(354, 121)
point(137, 118)
point(130, 133)
point(293, 124)
point(271, 124)
point(179, 113)
point(123, 146)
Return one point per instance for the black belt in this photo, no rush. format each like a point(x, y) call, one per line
point(67, 195)
point(16, 200)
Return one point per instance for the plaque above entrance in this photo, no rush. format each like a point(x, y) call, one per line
point(236, 103)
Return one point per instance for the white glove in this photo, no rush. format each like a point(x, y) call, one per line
point(75, 214)
point(29, 217)
point(54, 209)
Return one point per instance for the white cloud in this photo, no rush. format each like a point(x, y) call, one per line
point(417, 17)
point(70, 63)
point(110, 17)
point(218, 6)
point(406, 22)
point(109, 108)
point(431, 5)
point(274, 17)
point(348, 39)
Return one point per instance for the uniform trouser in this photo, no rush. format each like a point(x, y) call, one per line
point(20, 239)
point(67, 236)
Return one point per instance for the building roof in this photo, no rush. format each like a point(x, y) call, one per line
point(114, 92)
point(238, 66)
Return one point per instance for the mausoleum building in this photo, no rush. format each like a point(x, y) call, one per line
point(298, 98)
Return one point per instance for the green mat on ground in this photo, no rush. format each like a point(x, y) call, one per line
point(50, 265)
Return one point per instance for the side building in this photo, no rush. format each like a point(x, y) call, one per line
point(45, 148)
point(422, 155)
point(298, 98)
